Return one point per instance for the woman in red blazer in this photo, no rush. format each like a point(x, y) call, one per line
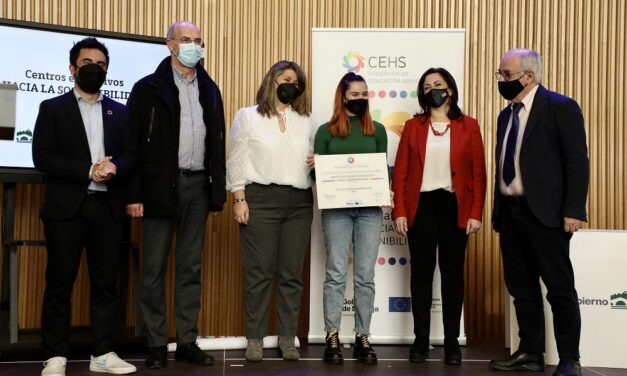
point(439, 185)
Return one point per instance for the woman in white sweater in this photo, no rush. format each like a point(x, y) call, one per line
point(270, 158)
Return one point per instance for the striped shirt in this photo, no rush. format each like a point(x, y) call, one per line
point(192, 128)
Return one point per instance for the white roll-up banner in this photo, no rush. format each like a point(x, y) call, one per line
point(391, 61)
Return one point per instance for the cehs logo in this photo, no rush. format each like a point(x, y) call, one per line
point(354, 61)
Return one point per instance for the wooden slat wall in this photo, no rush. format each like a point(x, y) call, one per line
point(584, 50)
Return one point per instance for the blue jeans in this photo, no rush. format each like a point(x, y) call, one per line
point(343, 227)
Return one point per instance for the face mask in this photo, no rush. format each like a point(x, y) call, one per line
point(189, 54)
point(510, 89)
point(287, 92)
point(90, 78)
point(436, 97)
point(357, 106)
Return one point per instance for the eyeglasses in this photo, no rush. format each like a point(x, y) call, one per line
point(507, 75)
point(186, 40)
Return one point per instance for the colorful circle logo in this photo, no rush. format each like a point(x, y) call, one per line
point(353, 61)
point(392, 261)
point(392, 94)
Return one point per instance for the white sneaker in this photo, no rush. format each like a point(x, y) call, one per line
point(54, 366)
point(111, 363)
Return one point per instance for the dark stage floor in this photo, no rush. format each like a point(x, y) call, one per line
point(25, 359)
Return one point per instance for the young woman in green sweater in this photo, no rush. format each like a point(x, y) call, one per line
point(351, 130)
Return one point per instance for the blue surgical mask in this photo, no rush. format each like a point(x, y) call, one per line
point(189, 54)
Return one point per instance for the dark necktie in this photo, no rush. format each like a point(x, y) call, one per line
point(509, 171)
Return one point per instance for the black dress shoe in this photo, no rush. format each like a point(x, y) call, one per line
point(157, 357)
point(568, 367)
point(453, 359)
point(418, 357)
point(191, 353)
point(520, 361)
point(452, 352)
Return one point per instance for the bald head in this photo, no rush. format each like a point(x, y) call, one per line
point(524, 60)
point(184, 34)
point(173, 30)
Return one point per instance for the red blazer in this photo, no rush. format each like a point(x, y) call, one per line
point(467, 168)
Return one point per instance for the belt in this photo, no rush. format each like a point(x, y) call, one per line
point(184, 172)
point(93, 192)
point(514, 200)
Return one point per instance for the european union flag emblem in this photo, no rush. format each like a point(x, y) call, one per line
point(400, 304)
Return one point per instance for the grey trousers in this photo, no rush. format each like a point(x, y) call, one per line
point(274, 245)
point(189, 225)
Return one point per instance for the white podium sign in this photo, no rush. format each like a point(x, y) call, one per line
point(599, 259)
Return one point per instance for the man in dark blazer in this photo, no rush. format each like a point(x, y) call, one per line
point(82, 143)
point(541, 186)
point(180, 179)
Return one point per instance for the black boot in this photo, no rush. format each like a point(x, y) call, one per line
point(333, 351)
point(362, 351)
point(452, 352)
point(419, 351)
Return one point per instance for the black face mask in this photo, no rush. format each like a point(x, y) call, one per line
point(510, 89)
point(90, 78)
point(287, 92)
point(357, 106)
point(436, 97)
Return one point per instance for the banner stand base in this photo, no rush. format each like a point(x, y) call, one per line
point(382, 340)
point(232, 343)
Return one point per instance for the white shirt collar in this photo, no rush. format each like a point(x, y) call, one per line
point(80, 98)
point(527, 101)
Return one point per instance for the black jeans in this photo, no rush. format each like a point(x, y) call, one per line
point(94, 229)
point(435, 232)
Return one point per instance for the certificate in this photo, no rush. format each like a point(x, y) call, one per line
point(352, 180)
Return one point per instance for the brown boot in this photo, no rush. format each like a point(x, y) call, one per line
point(254, 350)
point(287, 348)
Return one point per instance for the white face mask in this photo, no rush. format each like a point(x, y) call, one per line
point(189, 54)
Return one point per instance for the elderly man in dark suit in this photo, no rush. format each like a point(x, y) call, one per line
point(540, 195)
point(81, 143)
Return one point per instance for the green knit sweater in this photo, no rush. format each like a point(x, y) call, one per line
point(355, 143)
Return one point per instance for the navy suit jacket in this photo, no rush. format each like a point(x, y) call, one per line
point(554, 163)
point(61, 151)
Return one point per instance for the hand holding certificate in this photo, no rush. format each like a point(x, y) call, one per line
point(352, 180)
